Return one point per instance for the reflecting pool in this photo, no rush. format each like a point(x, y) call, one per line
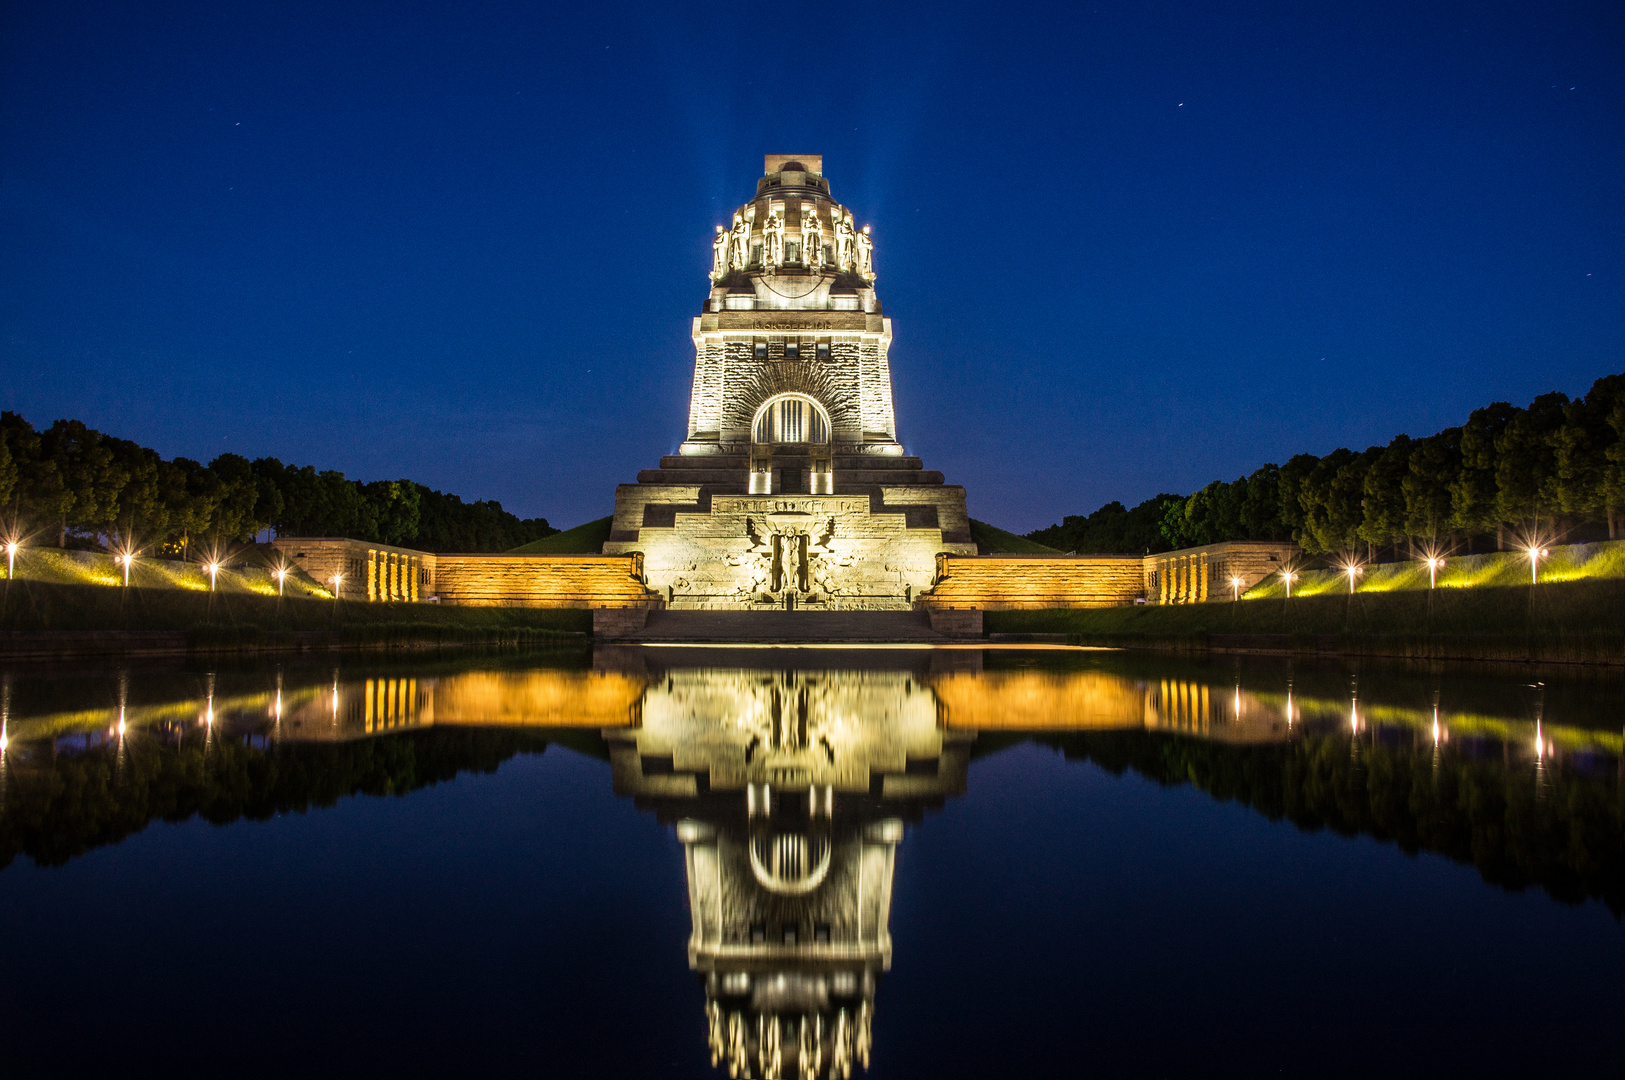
point(811, 863)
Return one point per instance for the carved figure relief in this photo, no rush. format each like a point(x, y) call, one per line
point(844, 242)
point(719, 252)
point(812, 236)
point(792, 560)
point(866, 255)
point(741, 243)
point(773, 241)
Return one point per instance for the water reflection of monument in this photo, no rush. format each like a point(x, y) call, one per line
point(790, 788)
point(789, 791)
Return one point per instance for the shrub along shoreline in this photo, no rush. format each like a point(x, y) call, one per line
point(1557, 622)
point(43, 619)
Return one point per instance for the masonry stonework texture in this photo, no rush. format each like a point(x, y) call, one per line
point(790, 489)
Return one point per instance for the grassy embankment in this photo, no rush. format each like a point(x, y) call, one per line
point(991, 540)
point(585, 539)
point(1484, 608)
point(83, 594)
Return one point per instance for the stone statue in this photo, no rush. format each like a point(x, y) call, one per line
point(844, 243)
point(812, 237)
point(866, 255)
point(741, 243)
point(772, 241)
point(719, 254)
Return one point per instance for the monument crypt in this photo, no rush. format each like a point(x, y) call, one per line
point(790, 490)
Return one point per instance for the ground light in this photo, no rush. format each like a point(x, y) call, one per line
point(213, 568)
point(1287, 576)
point(1434, 562)
point(1353, 570)
point(1535, 554)
point(126, 558)
point(1235, 588)
point(11, 558)
point(336, 579)
point(281, 575)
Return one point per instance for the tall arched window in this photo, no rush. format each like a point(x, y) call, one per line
point(791, 418)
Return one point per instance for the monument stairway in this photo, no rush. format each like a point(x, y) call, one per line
point(787, 628)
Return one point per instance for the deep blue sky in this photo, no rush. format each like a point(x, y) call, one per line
point(1127, 248)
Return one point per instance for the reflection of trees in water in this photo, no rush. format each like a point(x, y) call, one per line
point(1567, 835)
point(57, 805)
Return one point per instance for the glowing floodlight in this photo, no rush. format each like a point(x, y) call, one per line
point(1353, 570)
point(11, 558)
point(336, 579)
point(1287, 576)
point(281, 575)
point(125, 559)
point(213, 568)
point(1535, 554)
point(1235, 588)
point(1434, 562)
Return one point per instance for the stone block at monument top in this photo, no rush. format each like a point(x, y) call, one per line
point(791, 489)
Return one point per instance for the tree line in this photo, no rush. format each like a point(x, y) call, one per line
point(75, 486)
point(1554, 469)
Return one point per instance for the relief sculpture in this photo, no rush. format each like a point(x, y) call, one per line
point(773, 241)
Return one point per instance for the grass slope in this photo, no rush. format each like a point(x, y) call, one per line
point(585, 539)
point(991, 540)
point(1562, 620)
point(28, 605)
point(1569, 562)
point(249, 572)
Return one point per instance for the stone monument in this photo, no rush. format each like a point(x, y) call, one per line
point(791, 489)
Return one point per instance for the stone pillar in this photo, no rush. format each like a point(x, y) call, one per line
point(417, 575)
point(372, 574)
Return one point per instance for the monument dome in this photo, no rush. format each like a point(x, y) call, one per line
point(790, 488)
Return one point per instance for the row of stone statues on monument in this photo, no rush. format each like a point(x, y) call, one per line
point(851, 249)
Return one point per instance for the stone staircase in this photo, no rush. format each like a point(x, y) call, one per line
point(786, 627)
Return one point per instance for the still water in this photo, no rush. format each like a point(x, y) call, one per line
point(949, 862)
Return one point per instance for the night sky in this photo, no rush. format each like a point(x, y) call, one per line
point(1127, 248)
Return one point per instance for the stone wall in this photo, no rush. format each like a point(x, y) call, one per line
point(377, 572)
point(1014, 582)
point(543, 581)
point(1194, 575)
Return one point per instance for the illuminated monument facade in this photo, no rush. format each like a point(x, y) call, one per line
point(791, 489)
